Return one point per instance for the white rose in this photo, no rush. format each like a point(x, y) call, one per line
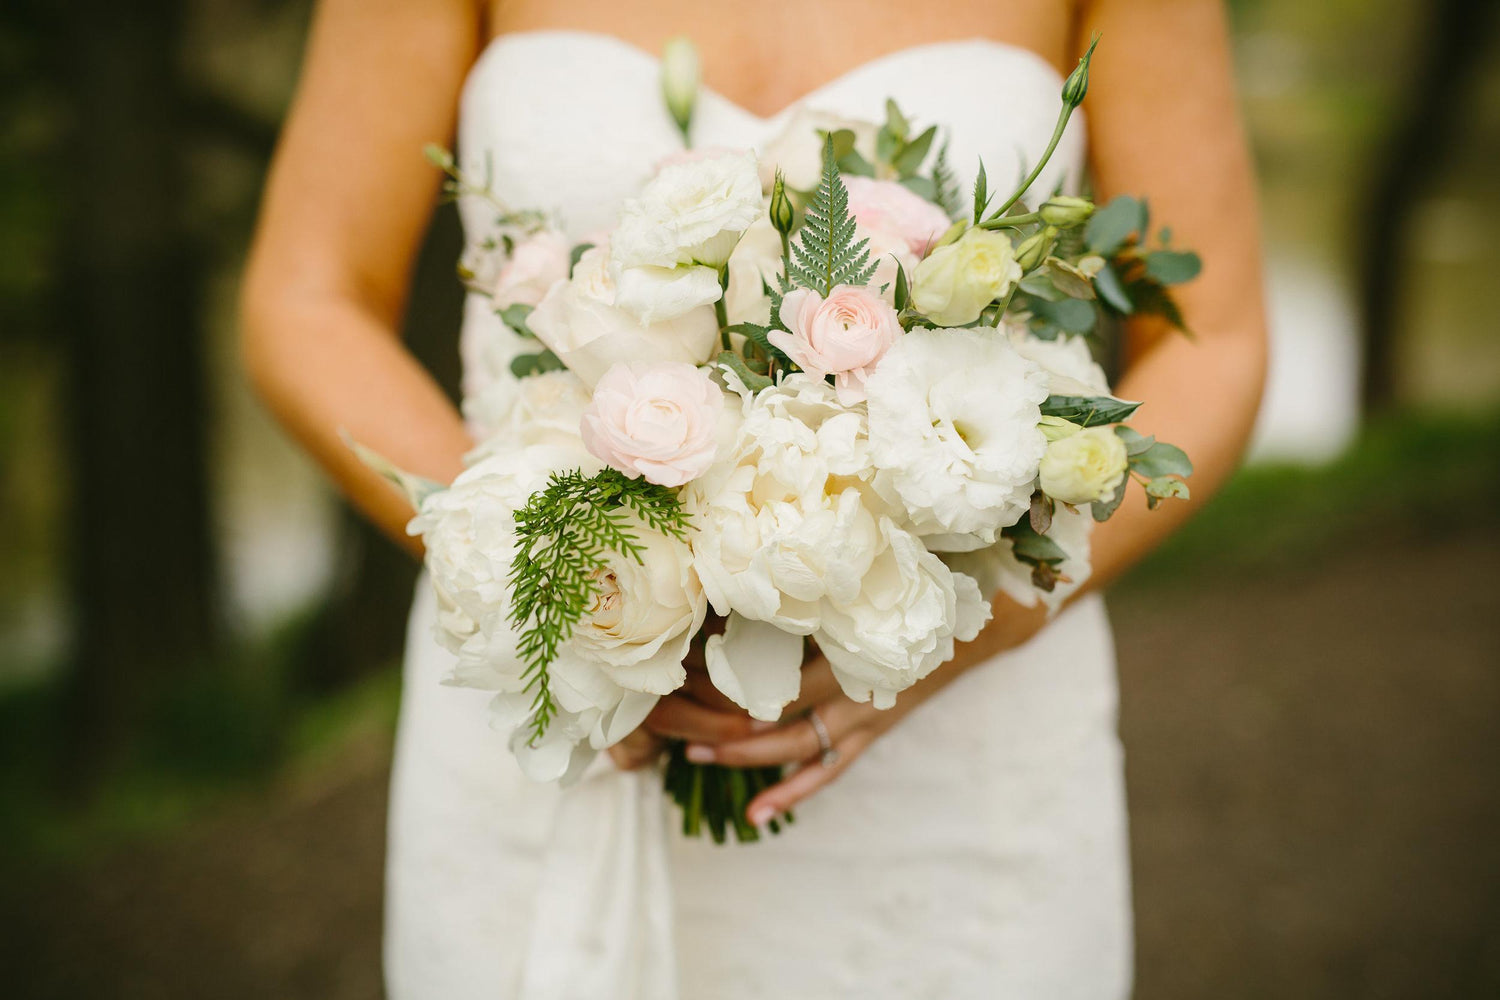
point(1085, 466)
point(955, 282)
point(579, 322)
point(953, 432)
point(996, 569)
point(673, 238)
point(540, 409)
point(536, 264)
point(798, 148)
point(903, 622)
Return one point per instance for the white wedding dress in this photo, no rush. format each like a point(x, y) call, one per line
point(977, 850)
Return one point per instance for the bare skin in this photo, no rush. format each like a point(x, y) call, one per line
point(348, 199)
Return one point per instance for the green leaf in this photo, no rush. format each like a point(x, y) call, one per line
point(1162, 489)
point(826, 252)
point(853, 164)
point(515, 316)
point(981, 193)
point(944, 184)
point(901, 298)
point(1135, 443)
point(1107, 284)
point(1074, 286)
point(1039, 285)
point(416, 489)
point(1101, 510)
point(576, 254)
point(1162, 459)
point(895, 121)
point(757, 335)
point(1173, 267)
point(1029, 546)
point(736, 364)
point(1113, 224)
point(923, 187)
point(523, 365)
point(887, 144)
point(1089, 411)
point(1073, 315)
point(909, 160)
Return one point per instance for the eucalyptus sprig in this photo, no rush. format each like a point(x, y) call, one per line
point(565, 536)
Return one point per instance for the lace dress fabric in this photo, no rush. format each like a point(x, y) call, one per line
point(977, 850)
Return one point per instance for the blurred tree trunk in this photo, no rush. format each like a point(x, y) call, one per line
point(143, 567)
point(364, 623)
point(1441, 90)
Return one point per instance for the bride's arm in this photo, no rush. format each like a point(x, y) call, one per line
point(1163, 122)
point(347, 201)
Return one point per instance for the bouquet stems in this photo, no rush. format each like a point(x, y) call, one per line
point(717, 796)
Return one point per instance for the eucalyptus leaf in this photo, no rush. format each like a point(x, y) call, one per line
point(909, 160)
point(523, 365)
point(1173, 267)
point(895, 120)
point(1068, 283)
point(1089, 411)
point(1039, 285)
point(1073, 315)
point(1030, 546)
point(843, 143)
point(887, 143)
point(1162, 488)
point(1135, 442)
point(576, 254)
point(1162, 459)
point(853, 164)
point(1107, 284)
point(1102, 510)
point(922, 187)
point(1112, 225)
point(515, 316)
point(754, 382)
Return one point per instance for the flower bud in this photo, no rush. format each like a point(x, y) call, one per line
point(1057, 428)
point(1084, 467)
point(1065, 211)
point(1034, 248)
point(781, 211)
point(679, 80)
point(1077, 84)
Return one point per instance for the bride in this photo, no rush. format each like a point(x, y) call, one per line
point(970, 842)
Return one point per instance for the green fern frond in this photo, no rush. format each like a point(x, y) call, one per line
point(826, 253)
point(564, 537)
point(944, 183)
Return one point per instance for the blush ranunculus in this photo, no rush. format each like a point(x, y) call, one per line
point(659, 421)
point(888, 207)
point(844, 335)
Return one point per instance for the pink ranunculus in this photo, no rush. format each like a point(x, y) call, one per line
point(844, 335)
point(659, 421)
point(888, 207)
point(537, 263)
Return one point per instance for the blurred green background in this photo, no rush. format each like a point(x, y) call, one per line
point(198, 643)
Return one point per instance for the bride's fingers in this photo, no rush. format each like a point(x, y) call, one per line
point(818, 686)
point(786, 744)
point(636, 750)
point(682, 718)
point(701, 689)
point(810, 777)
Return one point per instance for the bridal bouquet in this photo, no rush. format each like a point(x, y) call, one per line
point(812, 392)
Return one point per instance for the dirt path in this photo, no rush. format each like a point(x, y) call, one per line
point(1312, 762)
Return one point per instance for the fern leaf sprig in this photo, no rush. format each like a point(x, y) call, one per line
point(945, 183)
point(826, 252)
point(565, 535)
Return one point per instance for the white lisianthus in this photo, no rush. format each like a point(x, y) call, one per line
point(954, 283)
point(953, 430)
point(1066, 359)
point(798, 148)
point(903, 622)
point(579, 322)
point(680, 73)
point(1087, 465)
point(673, 238)
point(997, 570)
point(540, 409)
point(754, 266)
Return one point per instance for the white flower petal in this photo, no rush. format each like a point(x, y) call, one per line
point(756, 665)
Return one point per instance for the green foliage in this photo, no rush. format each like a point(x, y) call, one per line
point(1088, 411)
point(523, 365)
point(1173, 267)
point(565, 536)
point(515, 317)
point(945, 184)
point(753, 381)
point(757, 335)
point(981, 193)
point(1038, 551)
point(826, 253)
point(1112, 224)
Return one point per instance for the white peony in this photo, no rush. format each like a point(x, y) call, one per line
point(675, 236)
point(579, 322)
point(953, 431)
point(1068, 361)
point(798, 148)
point(903, 622)
point(540, 409)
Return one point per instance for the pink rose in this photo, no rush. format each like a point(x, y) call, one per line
point(659, 421)
point(537, 263)
point(888, 207)
point(844, 335)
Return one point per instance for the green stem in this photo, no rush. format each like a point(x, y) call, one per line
point(721, 311)
point(1057, 134)
point(1011, 221)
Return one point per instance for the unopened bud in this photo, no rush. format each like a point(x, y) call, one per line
point(1065, 211)
point(781, 206)
point(1034, 248)
point(1077, 84)
point(679, 80)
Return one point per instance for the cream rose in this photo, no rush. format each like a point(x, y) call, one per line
point(579, 322)
point(1085, 466)
point(954, 284)
point(659, 421)
point(798, 148)
point(844, 335)
point(536, 264)
point(673, 238)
